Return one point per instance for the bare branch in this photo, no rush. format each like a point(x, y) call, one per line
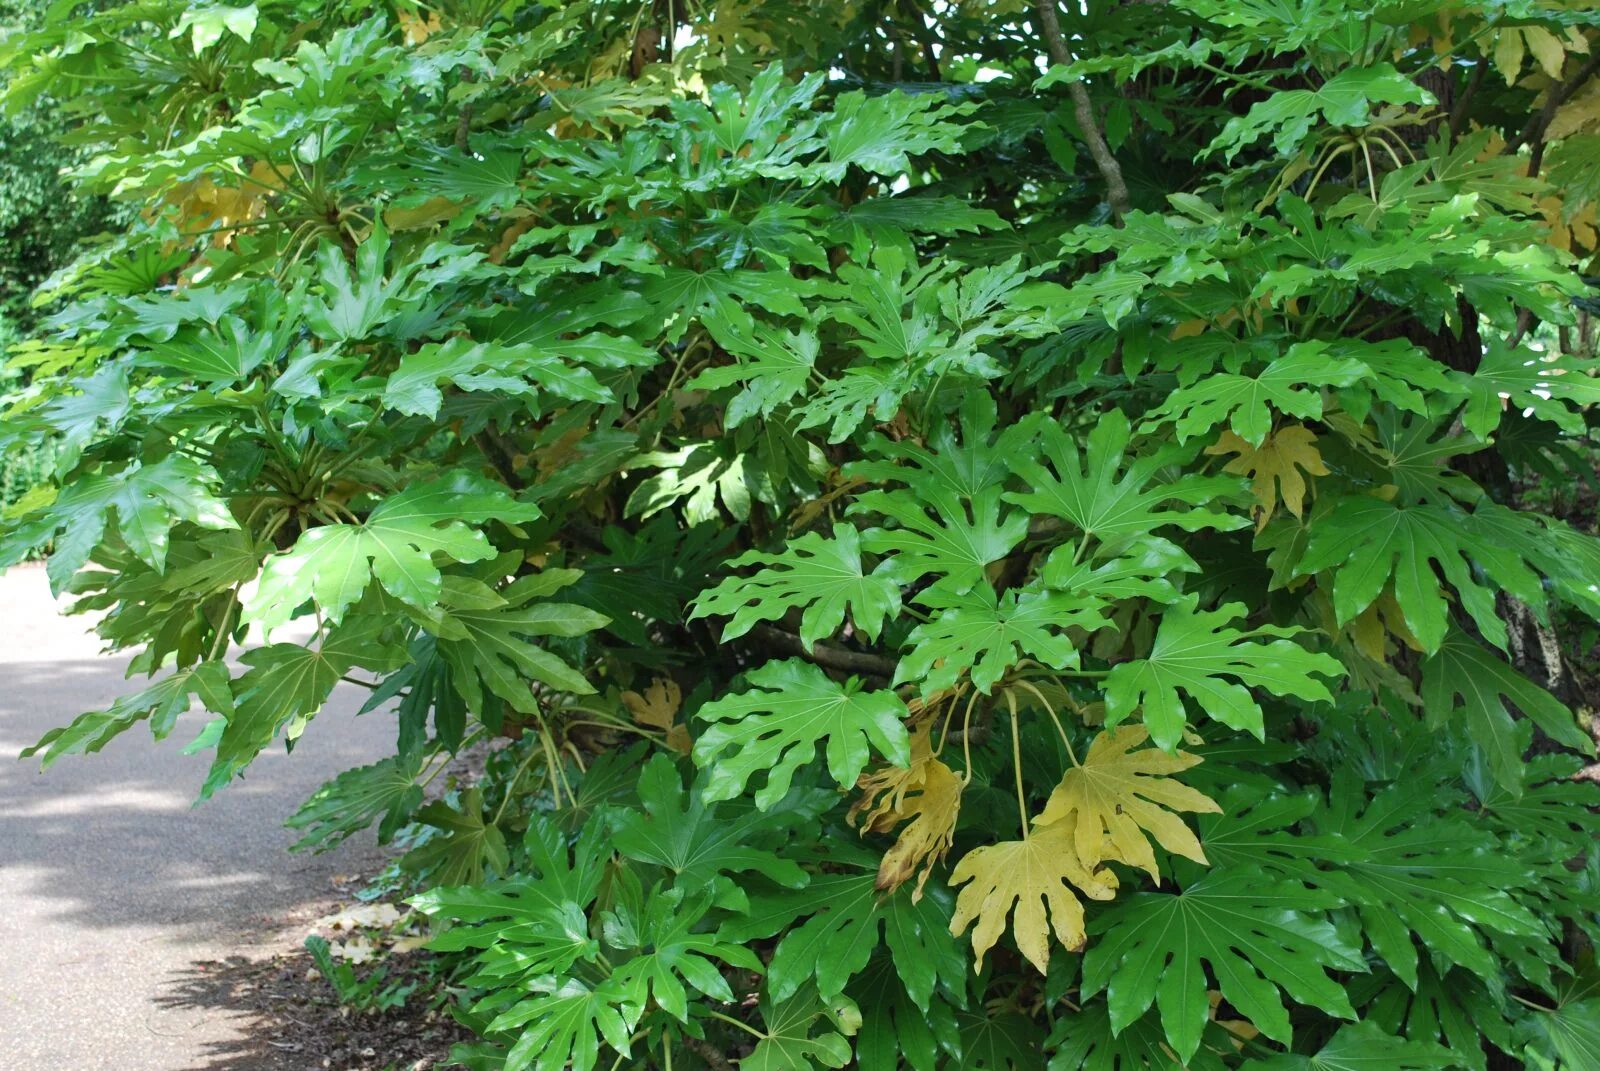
point(1083, 109)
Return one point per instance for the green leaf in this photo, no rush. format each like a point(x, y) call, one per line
point(960, 483)
point(564, 1025)
point(333, 565)
point(1369, 543)
point(1346, 99)
point(665, 953)
point(385, 792)
point(206, 24)
point(413, 388)
point(1421, 874)
point(845, 914)
point(1257, 938)
point(161, 704)
point(1364, 1047)
point(483, 637)
point(702, 843)
point(284, 688)
point(773, 366)
point(1083, 1040)
point(1464, 679)
point(1247, 402)
point(776, 727)
point(466, 846)
point(148, 501)
point(998, 1041)
point(1197, 654)
point(825, 576)
point(982, 635)
point(1571, 1029)
point(1106, 494)
point(1552, 387)
point(894, 1029)
point(803, 1033)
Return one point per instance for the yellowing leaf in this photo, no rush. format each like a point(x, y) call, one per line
point(928, 795)
point(1274, 468)
point(1038, 875)
point(416, 28)
point(1508, 53)
point(1118, 797)
point(1547, 49)
point(1372, 624)
point(1580, 112)
point(657, 708)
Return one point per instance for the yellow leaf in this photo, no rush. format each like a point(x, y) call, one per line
point(1546, 48)
point(1508, 53)
point(433, 210)
point(1119, 798)
point(415, 27)
point(1038, 875)
point(1274, 467)
point(927, 794)
point(1580, 113)
point(657, 708)
point(1383, 617)
point(1188, 329)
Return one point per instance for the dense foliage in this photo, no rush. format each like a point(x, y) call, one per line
point(982, 537)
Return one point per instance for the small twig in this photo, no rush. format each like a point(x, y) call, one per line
point(1083, 108)
point(862, 662)
point(1458, 111)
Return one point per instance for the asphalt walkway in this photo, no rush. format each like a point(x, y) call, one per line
point(112, 886)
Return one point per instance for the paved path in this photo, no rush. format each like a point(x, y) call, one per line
point(111, 886)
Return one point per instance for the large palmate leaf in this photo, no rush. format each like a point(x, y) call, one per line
point(824, 576)
point(466, 845)
point(958, 479)
point(486, 638)
point(668, 955)
point(385, 792)
point(1364, 1047)
point(287, 684)
point(530, 924)
point(702, 843)
point(1038, 875)
point(1107, 494)
point(803, 1033)
point(1368, 544)
point(845, 916)
point(563, 1025)
point(1257, 937)
point(413, 388)
point(160, 704)
point(1289, 385)
point(1464, 678)
point(1119, 797)
point(1083, 1041)
point(147, 501)
point(777, 726)
point(1197, 653)
point(980, 635)
point(332, 565)
point(895, 1032)
point(1551, 387)
point(1424, 875)
point(1343, 100)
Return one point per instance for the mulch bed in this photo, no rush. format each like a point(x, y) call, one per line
point(293, 1022)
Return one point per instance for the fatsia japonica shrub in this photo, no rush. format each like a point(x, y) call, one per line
point(977, 536)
